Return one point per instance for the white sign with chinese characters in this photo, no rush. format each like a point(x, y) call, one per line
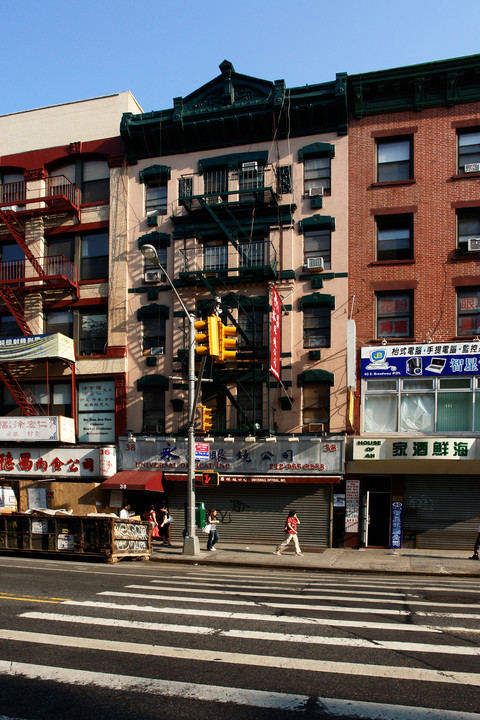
point(401, 448)
point(65, 463)
point(41, 428)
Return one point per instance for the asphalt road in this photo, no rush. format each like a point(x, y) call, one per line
point(139, 640)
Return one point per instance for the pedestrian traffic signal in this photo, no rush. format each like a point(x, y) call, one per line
point(208, 337)
point(206, 418)
point(210, 478)
point(227, 342)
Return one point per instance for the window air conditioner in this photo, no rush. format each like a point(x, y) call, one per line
point(315, 264)
point(315, 191)
point(473, 244)
point(160, 350)
point(153, 276)
point(316, 428)
point(472, 167)
point(250, 166)
point(153, 428)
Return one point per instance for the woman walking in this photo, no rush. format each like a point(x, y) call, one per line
point(291, 534)
point(213, 534)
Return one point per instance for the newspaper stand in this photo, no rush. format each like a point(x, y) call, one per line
point(100, 537)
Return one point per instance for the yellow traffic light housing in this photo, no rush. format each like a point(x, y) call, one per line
point(206, 419)
point(208, 337)
point(228, 342)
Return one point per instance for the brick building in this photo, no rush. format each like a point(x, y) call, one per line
point(414, 224)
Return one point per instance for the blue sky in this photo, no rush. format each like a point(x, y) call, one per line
point(60, 51)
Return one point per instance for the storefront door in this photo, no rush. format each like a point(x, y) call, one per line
point(375, 518)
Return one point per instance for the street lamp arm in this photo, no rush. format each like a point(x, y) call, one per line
point(150, 252)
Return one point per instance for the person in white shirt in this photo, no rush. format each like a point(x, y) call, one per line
point(125, 512)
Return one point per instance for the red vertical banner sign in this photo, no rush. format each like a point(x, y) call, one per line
point(275, 333)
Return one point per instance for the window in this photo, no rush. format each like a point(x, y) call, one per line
point(156, 200)
point(150, 265)
point(422, 405)
point(394, 159)
point(12, 265)
point(284, 179)
point(394, 315)
point(317, 244)
point(250, 177)
point(394, 237)
point(250, 400)
point(93, 325)
point(215, 184)
point(316, 326)
point(54, 398)
point(469, 151)
point(9, 327)
point(468, 311)
point(153, 409)
point(468, 226)
point(92, 177)
point(154, 333)
point(215, 256)
point(59, 321)
point(94, 256)
point(316, 407)
point(252, 322)
point(317, 173)
point(12, 187)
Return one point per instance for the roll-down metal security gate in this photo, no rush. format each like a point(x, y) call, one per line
point(257, 513)
point(442, 511)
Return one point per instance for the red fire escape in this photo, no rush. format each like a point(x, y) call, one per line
point(18, 278)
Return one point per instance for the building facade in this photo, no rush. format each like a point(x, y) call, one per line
point(63, 302)
point(414, 209)
point(241, 187)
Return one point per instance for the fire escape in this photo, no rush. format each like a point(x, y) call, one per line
point(21, 202)
point(227, 247)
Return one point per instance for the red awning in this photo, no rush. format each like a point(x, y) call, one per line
point(135, 480)
point(266, 479)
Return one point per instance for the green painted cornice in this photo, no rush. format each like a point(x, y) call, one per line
point(236, 109)
point(415, 87)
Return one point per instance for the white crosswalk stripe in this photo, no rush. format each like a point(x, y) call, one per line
point(252, 620)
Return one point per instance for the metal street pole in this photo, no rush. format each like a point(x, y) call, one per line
point(191, 545)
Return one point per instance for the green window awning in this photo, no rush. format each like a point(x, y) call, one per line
point(156, 380)
point(315, 376)
point(317, 299)
point(155, 174)
point(157, 239)
point(317, 149)
point(317, 222)
point(153, 310)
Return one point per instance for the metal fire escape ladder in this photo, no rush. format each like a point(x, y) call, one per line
point(9, 218)
point(16, 309)
point(17, 391)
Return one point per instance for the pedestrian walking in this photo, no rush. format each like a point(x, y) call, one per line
point(291, 534)
point(213, 534)
point(164, 522)
point(477, 544)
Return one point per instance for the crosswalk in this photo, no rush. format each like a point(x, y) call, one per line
point(359, 647)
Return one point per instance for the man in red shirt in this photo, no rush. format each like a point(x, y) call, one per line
point(291, 534)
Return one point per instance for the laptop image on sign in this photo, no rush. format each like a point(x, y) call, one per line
point(436, 365)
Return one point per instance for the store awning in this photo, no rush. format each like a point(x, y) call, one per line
point(135, 480)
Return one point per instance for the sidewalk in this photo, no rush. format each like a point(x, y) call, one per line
point(453, 563)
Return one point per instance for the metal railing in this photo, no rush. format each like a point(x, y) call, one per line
point(21, 271)
point(17, 193)
point(242, 185)
point(212, 258)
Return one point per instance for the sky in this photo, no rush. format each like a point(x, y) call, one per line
point(59, 51)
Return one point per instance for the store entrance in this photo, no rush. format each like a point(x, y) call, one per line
point(375, 515)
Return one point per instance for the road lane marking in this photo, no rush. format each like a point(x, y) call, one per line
point(391, 672)
point(30, 598)
point(303, 596)
point(254, 635)
point(331, 622)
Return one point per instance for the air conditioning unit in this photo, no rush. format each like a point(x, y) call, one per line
point(316, 191)
point(315, 264)
point(315, 342)
point(472, 167)
point(473, 244)
point(153, 428)
point(153, 276)
point(250, 166)
point(316, 428)
point(160, 350)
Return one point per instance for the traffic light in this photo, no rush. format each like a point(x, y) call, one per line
point(206, 418)
point(208, 337)
point(210, 478)
point(227, 342)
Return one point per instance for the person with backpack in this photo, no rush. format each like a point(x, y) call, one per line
point(291, 534)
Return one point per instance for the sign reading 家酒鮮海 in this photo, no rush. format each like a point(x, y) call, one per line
point(421, 360)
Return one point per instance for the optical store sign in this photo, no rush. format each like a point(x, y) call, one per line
point(421, 360)
point(415, 449)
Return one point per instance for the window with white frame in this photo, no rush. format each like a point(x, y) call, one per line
point(155, 178)
point(316, 406)
point(469, 151)
point(421, 405)
point(153, 409)
point(468, 228)
point(316, 244)
point(394, 159)
point(468, 311)
point(91, 176)
point(316, 326)
point(394, 314)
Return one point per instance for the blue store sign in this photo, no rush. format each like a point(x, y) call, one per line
point(421, 360)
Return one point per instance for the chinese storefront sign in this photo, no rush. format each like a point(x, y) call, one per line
point(283, 457)
point(438, 448)
point(66, 463)
point(96, 416)
point(396, 533)
point(275, 333)
point(352, 495)
point(421, 360)
point(40, 428)
point(37, 347)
